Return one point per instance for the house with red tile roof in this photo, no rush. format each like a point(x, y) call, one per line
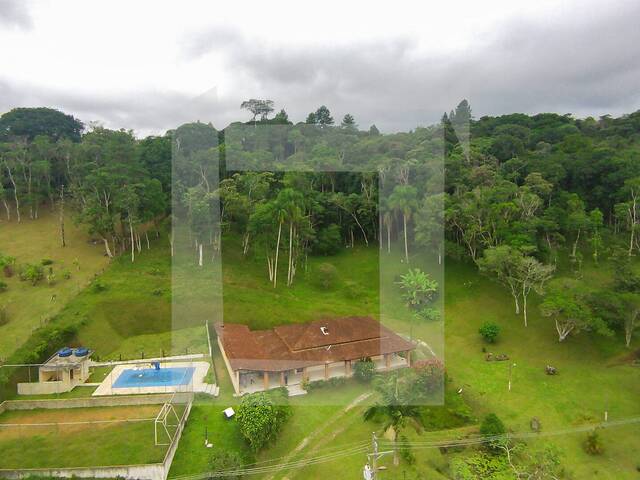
point(288, 355)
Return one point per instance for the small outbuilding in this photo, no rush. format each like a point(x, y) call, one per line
point(60, 373)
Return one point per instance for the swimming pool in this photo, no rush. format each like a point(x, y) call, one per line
point(150, 377)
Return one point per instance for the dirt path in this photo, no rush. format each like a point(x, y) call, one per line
point(306, 440)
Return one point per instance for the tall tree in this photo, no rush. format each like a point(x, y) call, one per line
point(404, 199)
point(323, 116)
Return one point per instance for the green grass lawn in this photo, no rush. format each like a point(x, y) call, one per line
point(133, 315)
point(31, 241)
point(78, 445)
point(250, 298)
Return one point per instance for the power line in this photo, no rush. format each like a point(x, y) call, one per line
point(364, 447)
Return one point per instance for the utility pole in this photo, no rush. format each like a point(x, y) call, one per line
point(511, 365)
point(371, 469)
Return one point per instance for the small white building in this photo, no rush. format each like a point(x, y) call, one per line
point(61, 373)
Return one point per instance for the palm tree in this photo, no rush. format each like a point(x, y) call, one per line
point(396, 408)
point(403, 199)
point(288, 208)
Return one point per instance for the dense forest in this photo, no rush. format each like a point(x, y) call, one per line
point(520, 196)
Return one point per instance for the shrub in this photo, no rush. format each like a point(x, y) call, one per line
point(327, 275)
point(406, 453)
point(328, 240)
point(352, 289)
point(260, 418)
point(3, 286)
point(31, 273)
point(593, 443)
point(319, 384)
point(491, 426)
point(224, 460)
point(8, 271)
point(46, 261)
point(489, 331)
point(429, 376)
point(157, 292)
point(66, 274)
point(6, 260)
point(364, 370)
point(97, 286)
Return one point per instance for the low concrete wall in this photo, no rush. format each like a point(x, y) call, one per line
point(43, 388)
point(142, 472)
point(90, 402)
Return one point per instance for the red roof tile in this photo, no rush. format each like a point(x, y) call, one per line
point(301, 345)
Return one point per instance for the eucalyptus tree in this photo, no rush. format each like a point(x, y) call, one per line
point(566, 303)
point(629, 210)
point(429, 224)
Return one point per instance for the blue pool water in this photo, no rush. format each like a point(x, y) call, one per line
point(150, 377)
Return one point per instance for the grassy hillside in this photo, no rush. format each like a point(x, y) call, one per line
point(31, 241)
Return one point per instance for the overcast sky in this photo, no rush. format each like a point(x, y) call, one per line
point(151, 65)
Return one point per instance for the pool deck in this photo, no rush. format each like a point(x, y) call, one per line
point(196, 385)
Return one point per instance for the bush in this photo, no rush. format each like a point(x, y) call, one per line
point(3, 286)
point(489, 331)
point(46, 261)
point(352, 289)
point(328, 240)
point(364, 370)
point(327, 275)
point(6, 260)
point(8, 271)
point(32, 273)
point(319, 384)
point(97, 286)
point(593, 443)
point(224, 460)
point(491, 426)
point(66, 274)
point(261, 419)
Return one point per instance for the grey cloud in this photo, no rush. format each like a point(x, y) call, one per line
point(582, 66)
point(14, 13)
point(146, 112)
point(585, 65)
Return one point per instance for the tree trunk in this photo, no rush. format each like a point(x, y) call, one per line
point(6, 207)
point(245, 244)
point(133, 255)
point(171, 242)
point(200, 254)
point(364, 234)
point(289, 279)
point(106, 248)
point(146, 235)
point(575, 244)
point(15, 192)
point(406, 247)
point(275, 263)
point(396, 458)
point(524, 306)
point(388, 238)
point(563, 331)
point(62, 217)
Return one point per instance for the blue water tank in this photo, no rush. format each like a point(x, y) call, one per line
point(81, 352)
